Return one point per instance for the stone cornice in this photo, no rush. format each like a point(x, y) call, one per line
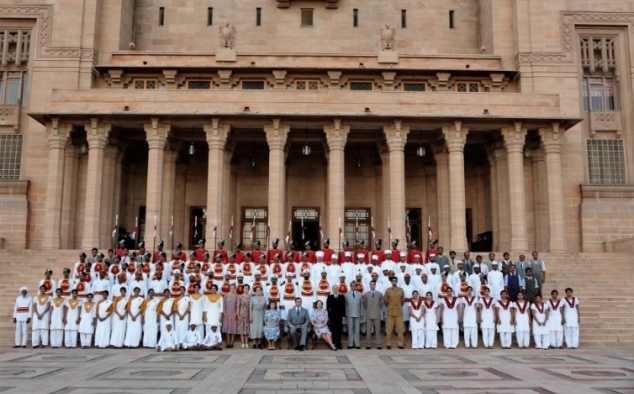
point(14, 187)
point(607, 191)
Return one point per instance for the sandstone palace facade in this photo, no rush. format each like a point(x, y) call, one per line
point(501, 124)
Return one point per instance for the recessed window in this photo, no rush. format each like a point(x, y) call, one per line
point(404, 19)
point(467, 87)
point(143, 84)
point(258, 16)
point(307, 85)
point(210, 16)
point(360, 85)
point(161, 16)
point(414, 87)
point(452, 22)
point(194, 85)
point(253, 85)
point(13, 87)
point(598, 94)
point(307, 17)
point(355, 18)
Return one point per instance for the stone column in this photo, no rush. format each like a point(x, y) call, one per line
point(385, 191)
point(551, 139)
point(57, 139)
point(217, 134)
point(442, 188)
point(167, 206)
point(495, 208)
point(276, 134)
point(116, 200)
point(107, 204)
point(514, 138)
point(336, 135)
point(156, 135)
point(396, 138)
point(456, 137)
point(97, 137)
point(540, 197)
point(69, 202)
point(504, 214)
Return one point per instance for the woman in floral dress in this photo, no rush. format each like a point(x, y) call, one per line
point(230, 321)
point(320, 324)
point(242, 316)
point(272, 324)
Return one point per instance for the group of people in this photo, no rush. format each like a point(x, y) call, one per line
point(188, 302)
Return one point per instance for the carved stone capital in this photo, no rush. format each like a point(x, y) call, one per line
point(396, 135)
point(551, 138)
point(156, 133)
point(514, 137)
point(336, 135)
point(217, 134)
point(276, 134)
point(455, 136)
point(97, 133)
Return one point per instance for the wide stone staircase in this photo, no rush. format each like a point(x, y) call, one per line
point(600, 281)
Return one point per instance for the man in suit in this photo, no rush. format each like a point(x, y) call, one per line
point(336, 307)
point(372, 304)
point(521, 266)
point(441, 259)
point(297, 322)
point(354, 303)
point(468, 263)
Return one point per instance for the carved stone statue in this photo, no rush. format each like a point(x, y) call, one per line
point(388, 34)
point(227, 36)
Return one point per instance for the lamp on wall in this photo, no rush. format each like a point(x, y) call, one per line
point(83, 149)
point(306, 147)
point(191, 149)
point(420, 151)
point(527, 152)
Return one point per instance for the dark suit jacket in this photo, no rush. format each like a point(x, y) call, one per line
point(336, 307)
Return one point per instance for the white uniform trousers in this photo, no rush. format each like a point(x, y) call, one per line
point(557, 338)
point(506, 339)
point(70, 338)
point(38, 336)
point(542, 341)
point(418, 339)
point(86, 339)
point(21, 333)
point(450, 337)
point(471, 337)
point(431, 339)
point(488, 337)
point(570, 333)
point(523, 338)
point(57, 338)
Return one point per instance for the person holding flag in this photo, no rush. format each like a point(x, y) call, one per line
point(432, 242)
point(220, 251)
point(327, 251)
point(157, 254)
point(255, 255)
point(200, 249)
point(275, 251)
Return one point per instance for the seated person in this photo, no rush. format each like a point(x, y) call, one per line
point(213, 340)
point(168, 340)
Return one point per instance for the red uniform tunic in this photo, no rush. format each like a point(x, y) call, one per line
point(289, 291)
point(380, 255)
point(157, 256)
point(239, 257)
point(208, 284)
point(323, 288)
point(365, 256)
point(147, 268)
point(246, 270)
point(328, 255)
point(343, 288)
point(359, 286)
point(307, 288)
point(225, 288)
point(232, 269)
point(223, 253)
point(200, 254)
point(414, 252)
point(64, 284)
point(296, 257)
point(263, 268)
point(218, 270)
point(311, 256)
point(277, 269)
point(256, 256)
point(274, 293)
point(270, 256)
point(175, 289)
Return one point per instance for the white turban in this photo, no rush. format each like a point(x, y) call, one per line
point(333, 257)
point(360, 256)
point(319, 254)
point(24, 288)
point(403, 254)
point(348, 254)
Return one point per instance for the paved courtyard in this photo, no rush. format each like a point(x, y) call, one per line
point(316, 371)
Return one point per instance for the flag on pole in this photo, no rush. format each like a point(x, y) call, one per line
point(172, 227)
point(372, 228)
point(252, 235)
point(155, 226)
point(116, 224)
point(288, 233)
point(340, 230)
point(231, 229)
point(356, 228)
point(215, 229)
point(430, 231)
point(303, 228)
point(268, 229)
point(136, 227)
point(408, 228)
point(389, 228)
point(321, 233)
point(195, 227)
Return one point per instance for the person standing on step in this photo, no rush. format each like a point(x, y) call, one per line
point(538, 268)
point(87, 321)
point(513, 283)
point(541, 333)
point(522, 321)
point(394, 300)
point(336, 308)
point(373, 302)
point(555, 320)
point(41, 319)
point(72, 308)
point(571, 320)
point(57, 319)
point(22, 312)
point(354, 310)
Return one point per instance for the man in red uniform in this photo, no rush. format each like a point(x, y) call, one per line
point(413, 252)
point(200, 250)
point(274, 251)
point(293, 255)
point(178, 252)
point(220, 251)
point(378, 252)
point(431, 251)
point(237, 249)
point(310, 252)
point(157, 254)
point(257, 252)
point(362, 250)
point(396, 255)
point(327, 251)
point(121, 251)
point(346, 248)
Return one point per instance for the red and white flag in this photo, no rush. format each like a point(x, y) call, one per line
point(288, 233)
point(136, 227)
point(215, 229)
point(430, 231)
point(356, 228)
point(172, 226)
point(389, 228)
point(252, 235)
point(321, 233)
point(231, 229)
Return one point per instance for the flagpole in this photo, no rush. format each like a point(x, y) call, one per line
point(231, 232)
point(389, 230)
point(373, 237)
point(116, 230)
point(195, 229)
point(215, 236)
point(154, 242)
point(135, 231)
point(252, 234)
point(288, 236)
point(340, 236)
point(172, 234)
point(268, 236)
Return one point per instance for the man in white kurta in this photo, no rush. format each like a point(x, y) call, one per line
point(158, 284)
point(168, 341)
point(22, 312)
point(213, 339)
point(41, 319)
point(192, 339)
point(571, 320)
point(57, 320)
point(139, 281)
point(181, 314)
point(72, 309)
point(99, 285)
point(87, 323)
point(495, 279)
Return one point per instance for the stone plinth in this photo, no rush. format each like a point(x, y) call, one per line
point(226, 55)
point(388, 57)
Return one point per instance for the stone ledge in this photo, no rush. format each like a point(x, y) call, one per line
point(14, 187)
point(607, 191)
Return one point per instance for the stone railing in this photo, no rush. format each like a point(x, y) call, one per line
point(607, 191)
point(10, 115)
point(605, 121)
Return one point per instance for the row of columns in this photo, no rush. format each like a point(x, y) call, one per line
point(509, 197)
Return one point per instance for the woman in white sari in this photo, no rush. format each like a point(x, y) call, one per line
point(120, 311)
point(150, 320)
point(134, 325)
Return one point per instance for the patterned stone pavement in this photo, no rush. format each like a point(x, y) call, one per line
point(249, 371)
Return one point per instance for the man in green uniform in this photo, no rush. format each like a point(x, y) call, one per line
point(394, 300)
